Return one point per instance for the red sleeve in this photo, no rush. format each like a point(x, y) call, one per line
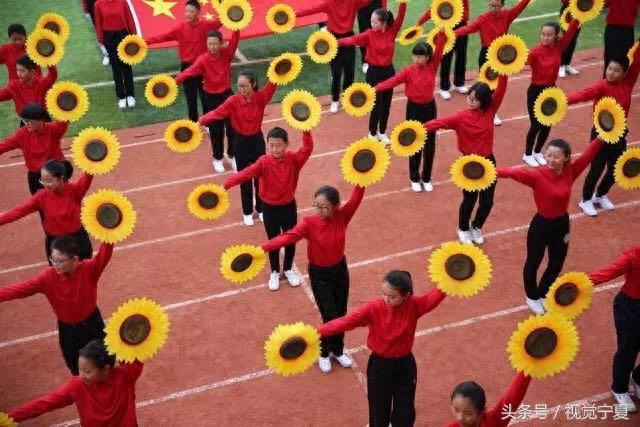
point(230, 50)
point(11, 142)
point(81, 186)
point(30, 206)
point(511, 399)
point(516, 10)
point(252, 171)
point(523, 176)
point(266, 93)
point(585, 159)
point(425, 17)
point(472, 27)
point(84, 6)
point(441, 40)
point(397, 23)
point(303, 154)
point(498, 95)
point(319, 8)
point(102, 258)
point(131, 25)
point(59, 128)
point(427, 302)
point(132, 371)
point(568, 35)
point(214, 25)
point(195, 70)
point(349, 208)
point(634, 68)
point(361, 39)
point(5, 93)
point(59, 398)
point(617, 268)
point(358, 318)
point(447, 122)
point(98, 22)
point(165, 37)
point(49, 79)
point(297, 233)
point(220, 113)
point(392, 81)
point(3, 54)
point(589, 93)
point(23, 289)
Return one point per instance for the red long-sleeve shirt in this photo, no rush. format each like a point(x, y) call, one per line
point(391, 329)
point(508, 403)
point(545, 60)
point(278, 178)
point(380, 44)
point(427, 14)
point(191, 38)
point(622, 12)
point(474, 128)
point(419, 81)
point(72, 297)
point(61, 210)
point(340, 13)
point(493, 25)
point(628, 263)
point(108, 404)
point(552, 192)
point(112, 15)
point(9, 54)
point(216, 69)
point(37, 146)
point(22, 93)
point(325, 238)
point(246, 114)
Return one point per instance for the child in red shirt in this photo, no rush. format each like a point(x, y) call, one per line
point(567, 53)
point(11, 51)
point(619, 30)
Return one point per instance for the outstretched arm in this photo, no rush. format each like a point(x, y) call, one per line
point(254, 170)
point(195, 70)
point(617, 268)
point(23, 289)
point(222, 112)
point(427, 302)
point(392, 81)
point(297, 233)
point(358, 318)
point(57, 399)
point(585, 159)
point(589, 93)
point(349, 208)
point(523, 176)
point(361, 39)
point(516, 10)
point(30, 206)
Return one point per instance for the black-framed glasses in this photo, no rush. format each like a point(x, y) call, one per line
point(320, 207)
point(58, 261)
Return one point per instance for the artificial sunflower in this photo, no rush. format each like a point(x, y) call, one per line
point(550, 106)
point(473, 172)
point(446, 13)
point(627, 169)
point(216, 4)
point(322, 47)
point(56, 23)
point(208, 201)
point(489, 76)
point(67, 101)
point(507, 54)
point(543, 345)
point(281, 18)
point(95, 150)
point(609, 120)
point(459, 270)
point(301, 110)
point(565, 19)
point(365, 162)
point(132, 49)
point(5, 421)
point(449, 34)
point(408, 138)
point(136, 330)
point(358, 99)
point(183, 136)
point(285, 68)
point(108, 216)
point(632, 52)
point(44, 47)
point(410, 35)
point(236, 15)
point(242, 262)
point(161, 90)
point(292, 349)
point(570, 294)
point(585, 10)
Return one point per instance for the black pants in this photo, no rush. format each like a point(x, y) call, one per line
point(330, 286)
point(122, 73)
point(90, 10)
point(538, 133)
point(380, 114)
point(391, 389)
point(278, 219)
point(422, 113)
point(551, 235)
point(217, 128)
point(247, 149)
point(364, 21)
point(626, 316)
point(567, 53)
point(460, 67)
point(482, 56)
point(485, 203)
point(343, 67)
point(192, 91)
point(33, 178)
point(617, 42)
point(82, 238)
point(605, 158)
point(73, 337)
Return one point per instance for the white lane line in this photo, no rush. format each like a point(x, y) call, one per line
point(531, 18)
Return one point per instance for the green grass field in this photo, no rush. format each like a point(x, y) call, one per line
point(82, 61)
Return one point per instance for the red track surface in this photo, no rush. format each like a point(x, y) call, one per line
point(212, 372)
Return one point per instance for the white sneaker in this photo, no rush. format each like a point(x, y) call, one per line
point(218, 166)
point(344, 360)
point(444, 94)
point(324, 363)
point(105, 60)
point(248, 220)
point(461, 89)
point(232, 160)
point(604, 202)
point(496, 120)
point(324, 28)
point(530, 161)
point(371, 136)
point(465, 237)
point(292, 278)
point(261, 217)
point(543, 302)
point(382, 137)
point(571, 70)
point(416, 187)
point(274, 281)
point(587, 208)
point(122, 103)
point(476, 235)
point(428, 186)
point(335, 105)
point(540, 159)
point(535, 305)
point(635, 386)
point(562, 73)
point(131, 101)
point(625, 401)
point(365, 67)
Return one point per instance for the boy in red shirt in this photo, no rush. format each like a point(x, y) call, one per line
point(618, 33)
point(11, 51)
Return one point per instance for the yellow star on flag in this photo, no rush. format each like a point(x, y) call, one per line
point(203, 2)
point(208, 17)
point(161, 7)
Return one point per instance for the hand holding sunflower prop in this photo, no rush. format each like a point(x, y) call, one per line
point(161, 90)
point(459, 270)
point(67, 101)
point(358, 99)
point(44, 47)
point(322, 47)
point(570, 295)
point(627, 169)
point(507, 54)
point(208, 201)
point(292, 349)
point(132, 49)
point(609, 120)
point(281, 18)
point(108, 216)
point(565, 19)
point(183, 136)
point(56, 23)
point(95, 150)
point(285, 68)
point(473, 173)
point(585, 10)
point(550, 106)
point(489, 76)
point(5, 421)
point(301, 110)
point(446, 13)
point(410, 35)
point(407, 138)
point(365, 162)
point(448, 34)
point(242, 263)
point(235, 15)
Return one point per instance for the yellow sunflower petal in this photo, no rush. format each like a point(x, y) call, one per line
point(292, 349)
point(585, 10)
point(408, 138)
point(281, 18)
point(609, 120)
point(632, 51)
point(136, 330)
point(565, 19)
point(241, 263)
point(132, 49)
point(285, 68)
point(364, 162)
point(5, 421)
point(410, 35)
point(507, 54)
point(208, 201)
point(459, 270)
point(358, 99)
point(56, 23)
point(449, 34)
point(183, 136)
point(446, 13)
point(108, 216)
point(236, 15)
point(627, 169)
point(489, 76)
point(543, 345)
point(301, 110)
point(161, 90)
point(550, 106)
point(322, 47)
point(217, 4)
point(570, 294)
point(473, 172)
point(44, 47)
point(95, 150)
point(67, 101)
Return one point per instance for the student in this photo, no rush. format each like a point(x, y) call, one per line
point(59, 203)
point(246, 111)
point(14, 49)
point(549, 228)
point(326, 234)
point(626, 316)
point(380, 42)
point(364, 24)
point(419, 80)
point(619, 30)
point(71, 286)
point(392, 322)
point(567, 53)
point(474, 129)
point(104, 394)
point(543, 59)
point(618, 84)
point(89, 10)
point(277, 172)
point(215, 67)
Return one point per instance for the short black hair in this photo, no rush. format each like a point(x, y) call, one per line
point(34, 111)
point(216, 34)
point(483, 94)
point(423, 48)
point(621, 60)
point(329, 193)
point(97, 352)
point(193, 3)
point(26, 62)
point(59, 168)
point(279, 133)
point(563, 145)
point(67, 245)
point(556, 27)
point(472, 391)
point(400, 280)
point(16, 29)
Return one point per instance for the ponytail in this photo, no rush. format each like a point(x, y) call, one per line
point(400, 280)
point(59, 168)
point(385, 16)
